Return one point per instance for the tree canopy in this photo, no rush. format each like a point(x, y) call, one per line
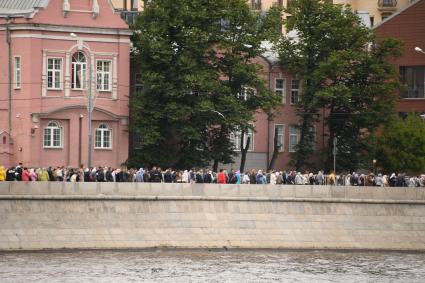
point(346, 73)
point(200, 82)
point(401, 146)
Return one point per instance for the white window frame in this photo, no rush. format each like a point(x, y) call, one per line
point(246, 93)
point(102, 131)
point(102, 73)
point(297, 90)
point(83, 70)
point(235, 137)
point(280, 91)
point(281, 137)
point(51, 130)
point(17, 72)
point(291, 147)
point(53, 72)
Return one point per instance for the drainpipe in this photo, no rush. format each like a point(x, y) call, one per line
point(9, 73)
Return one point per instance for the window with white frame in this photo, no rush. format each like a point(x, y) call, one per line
point(313, 141)
point(246, 93)
point(103, 72)
point(79, 67)
point(295, 91)
point(279, 129)
point(236, 140)
point(54, 73)
point(279, 89)
point(17, 72)
point(294, 137)
point(52, 135)
point(103, 137)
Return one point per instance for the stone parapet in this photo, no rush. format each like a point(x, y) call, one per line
point(53, 215)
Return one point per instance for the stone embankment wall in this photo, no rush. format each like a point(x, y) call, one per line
point(35, 216)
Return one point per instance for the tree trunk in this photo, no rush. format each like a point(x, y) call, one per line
point(244, 151)
point(276, 149)
point(215, 166)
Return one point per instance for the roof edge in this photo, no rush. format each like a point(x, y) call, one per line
point(410, 5)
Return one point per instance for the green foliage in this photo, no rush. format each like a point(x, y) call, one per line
point(346, 71)
point(401, 147)
point(195, 58)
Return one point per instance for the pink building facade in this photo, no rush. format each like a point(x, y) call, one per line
point(55, 56)
point(288, 88)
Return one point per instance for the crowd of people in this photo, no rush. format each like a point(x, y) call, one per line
point(157, 175)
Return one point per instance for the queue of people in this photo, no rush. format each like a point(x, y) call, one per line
point(157, 175)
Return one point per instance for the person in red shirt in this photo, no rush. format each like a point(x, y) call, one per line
point(25, 175)
point(222, 177)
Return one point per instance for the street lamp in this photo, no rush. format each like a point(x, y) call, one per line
point(418, 49)
point(90, 102)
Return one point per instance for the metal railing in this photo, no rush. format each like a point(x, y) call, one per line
point(387, 3)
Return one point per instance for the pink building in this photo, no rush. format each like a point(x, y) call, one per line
point(54, 56)
point(288, 88)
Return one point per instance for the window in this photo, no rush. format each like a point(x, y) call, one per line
point(138, 85)
point(54, 73)
point(256, 4)
point(103, 137)
point(246, 93)
point(280, 131)
point(104, 75)
point(17, 73)
point(295, 91)
point(79, 66)
point(280, 89)
point(52, 135)
point(236, 140)
point(386, 15)
point(294, 137)
point(413, 79)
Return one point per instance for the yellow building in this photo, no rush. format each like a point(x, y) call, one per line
point(378, 10)
point(372, 12)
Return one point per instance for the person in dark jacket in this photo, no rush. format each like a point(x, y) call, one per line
point(10, 175)
point(156, 175)
point(199, 177)
point(168, 177)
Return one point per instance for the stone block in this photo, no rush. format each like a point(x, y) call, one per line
point(229, 190)
point(4, 188)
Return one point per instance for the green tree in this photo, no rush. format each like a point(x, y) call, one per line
point(401, 147)
point(194, 58)
point(344, 70)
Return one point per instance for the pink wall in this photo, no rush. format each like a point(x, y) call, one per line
point(33, 106)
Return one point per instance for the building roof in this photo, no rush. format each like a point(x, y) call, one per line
point(21, 8)
point(413, 3)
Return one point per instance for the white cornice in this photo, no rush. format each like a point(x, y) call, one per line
point(68, 29)
point(70, 38)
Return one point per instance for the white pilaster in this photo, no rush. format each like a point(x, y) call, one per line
point(67, 74)
point(115, 77)
point(44, 75)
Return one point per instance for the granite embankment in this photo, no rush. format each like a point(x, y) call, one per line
point(54, 215)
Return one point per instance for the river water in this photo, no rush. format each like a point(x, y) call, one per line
point(212, 266)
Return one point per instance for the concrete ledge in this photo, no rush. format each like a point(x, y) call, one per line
point(203, 198)
point(210, 190)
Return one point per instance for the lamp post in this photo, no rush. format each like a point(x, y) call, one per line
point(90, 104)
point(418, 49)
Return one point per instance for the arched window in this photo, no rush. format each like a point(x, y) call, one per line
point(52, 135)
point(79, 67)
point(103, 137)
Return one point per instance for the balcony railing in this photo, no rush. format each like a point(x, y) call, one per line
point(387, 5)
